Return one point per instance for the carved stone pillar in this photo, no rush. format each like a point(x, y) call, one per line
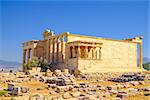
point(45, 50)
point(33, 52)
point(57, 50)
point(62, 49)
point(78, 52)
point(24, 59)
point(94, 53)
point(90, 52)
point(73, 51)
point(86, 51)
point(29, 54)
point(100, 53)
point(53, 53)
point(50, 51)
point(141, 56)
point(24, 56)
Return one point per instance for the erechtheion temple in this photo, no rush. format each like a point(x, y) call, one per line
point(86, 53)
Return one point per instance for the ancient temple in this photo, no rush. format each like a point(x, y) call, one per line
point(86, 53)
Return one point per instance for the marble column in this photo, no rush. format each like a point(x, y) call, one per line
point(29, 51)
point(24, 59)
point(73, 52)
point(57, 50)
point(78, 52)
point(141, 56)
point(24, 56)
point(93, 53)
point(53, 50)
point(100, 53)
point(86, 51)
point(45, 50)
point(33, 52)
point(50, 46)
point(48, 51)
point(62, 49)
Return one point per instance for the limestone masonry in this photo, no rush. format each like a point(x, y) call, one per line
point(85, 53)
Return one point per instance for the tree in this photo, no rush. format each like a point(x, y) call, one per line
point(31, 63)
point(146, 66)
point(36, 62)
point(42, 63)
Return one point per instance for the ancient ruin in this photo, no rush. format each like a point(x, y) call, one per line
point(86, 53)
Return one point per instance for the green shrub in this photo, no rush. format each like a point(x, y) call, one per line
point(2, 92)
point(36, 62)
point(146, 66)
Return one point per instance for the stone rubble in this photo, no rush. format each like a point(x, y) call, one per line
point(66, 86)
point(128, 78)
point(24, 89)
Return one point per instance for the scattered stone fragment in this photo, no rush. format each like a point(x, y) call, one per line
point(113, 91)
point(109, 87)
point(75, 94)
point(16, 90)
point(66, 71)
point(47, 97)
point(37, 97)
point(147, 94)
point(122, 95)
point(126, 85)
point(20, 98)
point(58, 72)
point(142, 83)
point(83, 85)
point(134, 83)
point(62, 89)
point(66, 95)
point(128, 78)
point(39, 88)
point(91, 97)
point(24, 89)
point(146, 89)
point(11, 86)
point(73, 89)
point(7, 95)
point(132, 90)
point(105, 94)
point(115, 98)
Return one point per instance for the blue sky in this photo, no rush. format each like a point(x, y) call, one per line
point(26, 20)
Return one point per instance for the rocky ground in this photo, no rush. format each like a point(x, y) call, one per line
point(62, 85)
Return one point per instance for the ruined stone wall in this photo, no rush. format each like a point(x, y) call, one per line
point(39, 52)
point(115, 55)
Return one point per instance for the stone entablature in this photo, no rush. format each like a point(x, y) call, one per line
point(75, 50)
